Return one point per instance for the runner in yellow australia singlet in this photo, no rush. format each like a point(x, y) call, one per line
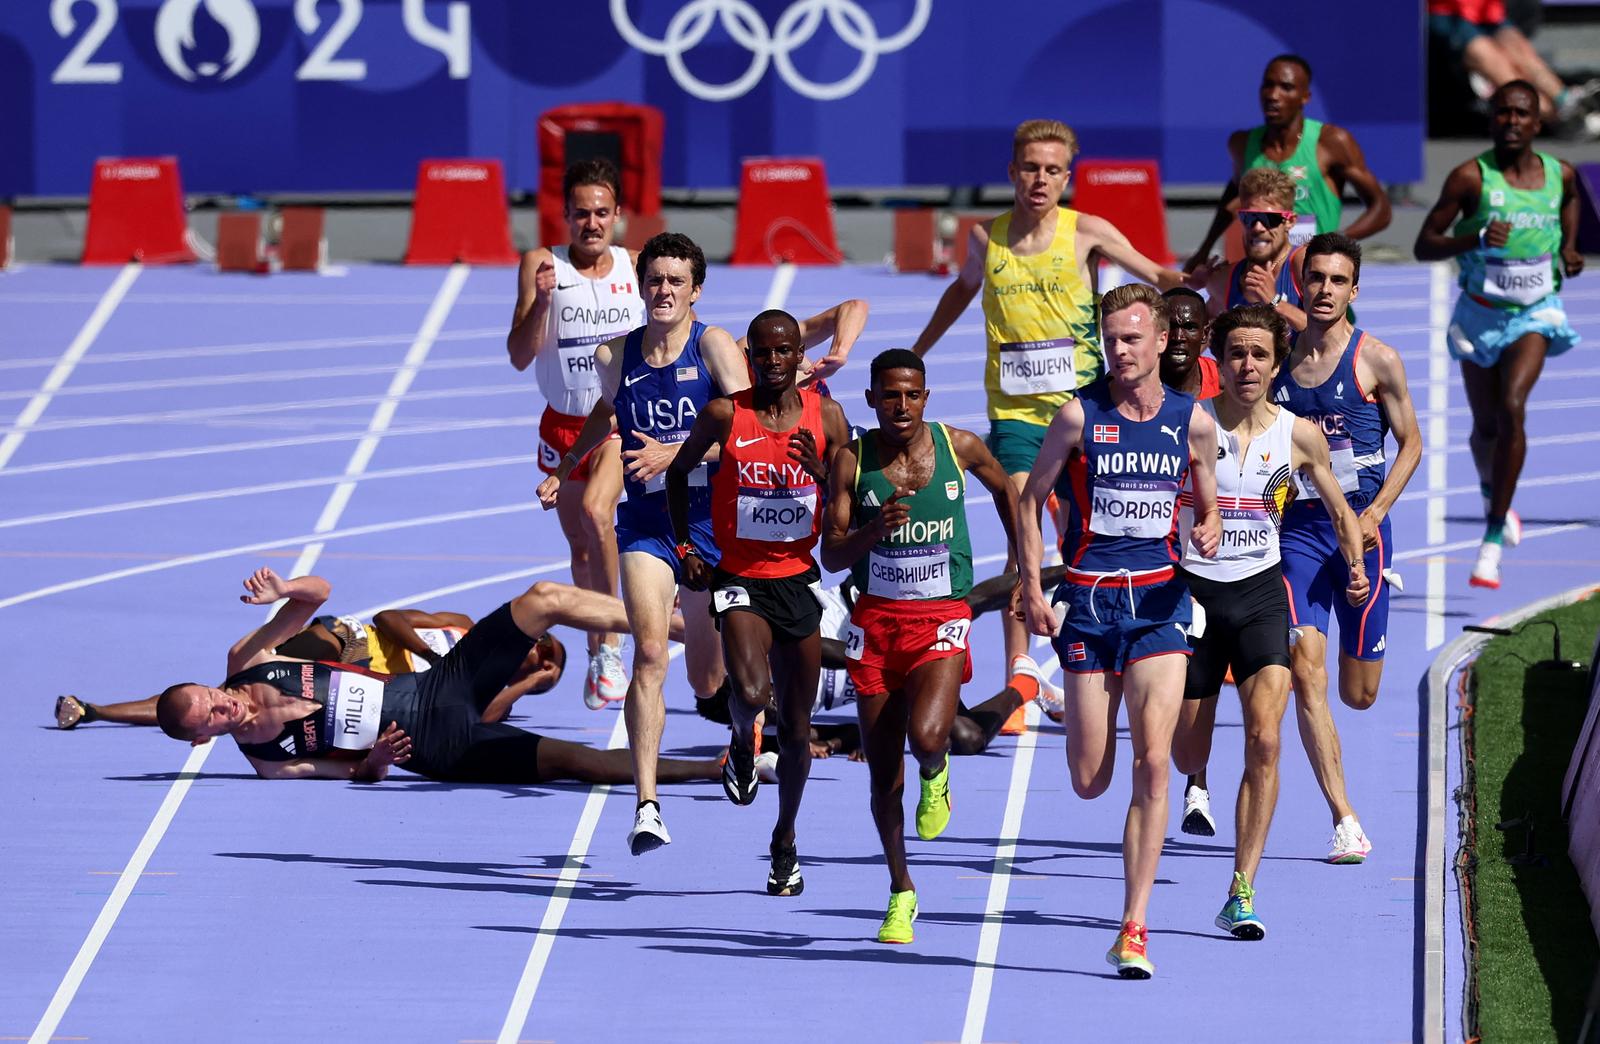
point(1036, 267)
point(1038, 319)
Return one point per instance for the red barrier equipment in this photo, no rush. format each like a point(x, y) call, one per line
point(915, 235)
point(460, 214)
point(784, 214)
point(1126, 193)
point(302, 246)
point(239, 244)
point(628, 135)
point(7, 247)
point(136, 213)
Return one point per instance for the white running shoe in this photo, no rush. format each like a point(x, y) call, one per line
point(649, 832)
point(767, 766)
point(1349, 844)
point(591, 684)
point(1051, 699)
point(1511, 536)
point(611, 680)
point(1197, 812)
point(1487, 571)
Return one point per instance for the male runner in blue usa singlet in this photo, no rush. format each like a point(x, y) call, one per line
point(1117, 456)
point(1354, 386)
point(654, 382)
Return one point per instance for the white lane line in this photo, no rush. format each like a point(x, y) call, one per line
point(550, 925)
point(466, 585)
point(1438, 437)
point(994, 910)
point(782, 283)
point(68, 989)
point(432, 428)
point(519, 460)
point(234, 351)
point(265, 545)
point(1462, 545)
point(544, 939)
point(69, 360)
point(233, 413)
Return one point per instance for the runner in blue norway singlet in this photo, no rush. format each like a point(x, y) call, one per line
point(1314, 570)
point(663, 402)
point(1124, 601)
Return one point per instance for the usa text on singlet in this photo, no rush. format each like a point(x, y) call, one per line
point(662, 402)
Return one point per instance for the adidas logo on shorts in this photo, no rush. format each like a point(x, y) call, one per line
point(1382, 639)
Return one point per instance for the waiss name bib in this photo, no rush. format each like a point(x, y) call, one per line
point(354, 710)
point(1037, 367)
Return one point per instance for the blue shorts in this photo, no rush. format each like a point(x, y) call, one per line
point(656, 539)
point(1315, 573)
point(1110, 624)
point(1479, 333)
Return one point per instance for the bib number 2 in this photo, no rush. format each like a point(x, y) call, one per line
point(730, 598)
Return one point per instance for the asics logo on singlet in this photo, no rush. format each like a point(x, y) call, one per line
point(796, 27)
point(741, 443)
point(1170, 431)
point(997, 269)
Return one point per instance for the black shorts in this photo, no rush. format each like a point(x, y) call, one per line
point(448, 741)
point(1246, 628)
point(788, 603)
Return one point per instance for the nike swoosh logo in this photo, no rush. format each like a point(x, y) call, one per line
point(567, 286)
point(749, 442)
point(631, 381)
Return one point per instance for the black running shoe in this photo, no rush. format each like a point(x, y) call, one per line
point(785, 877)
point(739, 780)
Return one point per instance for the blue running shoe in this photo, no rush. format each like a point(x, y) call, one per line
point(1238, 917)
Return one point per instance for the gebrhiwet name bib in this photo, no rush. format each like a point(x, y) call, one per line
point(916, 571)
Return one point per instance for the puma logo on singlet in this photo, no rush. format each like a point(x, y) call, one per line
point(741, 443)
point(1170, 431)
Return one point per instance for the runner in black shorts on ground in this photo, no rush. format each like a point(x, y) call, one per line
point(304, 719)
point(775, 441)
point(1241, 614)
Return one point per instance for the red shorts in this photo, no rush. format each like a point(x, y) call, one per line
point(557, 433)
point(887, 640)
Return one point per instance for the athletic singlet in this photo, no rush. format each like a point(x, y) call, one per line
point(1287, 288)
point(1314, 199)
point(584, 314)
point(764, 505)
point(389, 657)
point(1252, 491)
point(350, 718)
point(1352, 421)
point(1039, 321)
point(930, 557)
point(1528, 268)
point(662, 402)
point(1121, 490)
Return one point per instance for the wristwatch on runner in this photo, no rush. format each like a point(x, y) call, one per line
point(685, 549)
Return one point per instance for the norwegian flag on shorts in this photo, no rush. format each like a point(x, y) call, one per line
point(1076, 653)
point(1107, 433)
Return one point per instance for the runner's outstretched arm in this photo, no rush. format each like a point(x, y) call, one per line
point(305, 596)
point(959, 294)
point(400, 626)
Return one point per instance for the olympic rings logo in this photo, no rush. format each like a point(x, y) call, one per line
point(795, 28)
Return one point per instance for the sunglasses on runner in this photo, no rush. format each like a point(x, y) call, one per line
point(1268, 218)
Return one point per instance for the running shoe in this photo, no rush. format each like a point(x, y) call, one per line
point(69, 711)
point(896, 926)
point(739, 780)
point(1349, 844)
point(1511, 535)
point(1017, 724)
point(767, 766)
point(785, 877)
point(933, 808)
point(1238, 917)
point(611, 680)
point(1486, 573)
point(1127, 954)
point(649, 832)
point(1053, 701)
point(1197, 812)
point(591, 685)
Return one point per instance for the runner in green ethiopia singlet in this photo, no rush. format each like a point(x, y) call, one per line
point(930, 557)
point(1528, 268)
point(1314, 200)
